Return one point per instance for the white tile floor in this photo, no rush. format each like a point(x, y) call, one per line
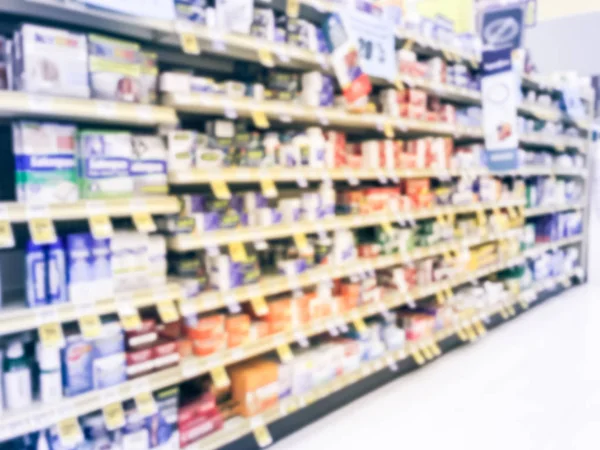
point(531, 384)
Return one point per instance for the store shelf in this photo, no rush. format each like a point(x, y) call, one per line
point(549, 114)
point(13, 320)
point(542, 210)
point(42, 416)
point(286, 112)
point(235, 175)
point(444, 91)
point(539, 249)
point(123, 207)
point(21, 104)
point(559, 143)
point(194, 241)
point(428, 46)
point(275, 284)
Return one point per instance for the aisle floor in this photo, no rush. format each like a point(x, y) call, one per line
point(531, 384)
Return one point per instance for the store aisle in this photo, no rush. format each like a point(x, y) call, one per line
point(531, 384)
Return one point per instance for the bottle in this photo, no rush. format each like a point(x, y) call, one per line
point(35, 272)
point(57, 273)
point(17, 377)
point(50, 373)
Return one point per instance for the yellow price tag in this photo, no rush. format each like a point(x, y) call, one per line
point(7, 237)
point(479, 328)
point(167, 311)
point(427, 353)
point(260, 119)
point(441, 220)
point(448, 293)
point(51, 335)
point(462, 335)
point(259, 305)
point(521, 211)
point(503, 313)
point(511, 310)
point(408, 45)
point(360, 325)
point(512, 213)
point(262, 436)
point(419, 358)
point(441, 299)
point(237, 250)
point(114, 416)
point(268, 188)
point(437, 351)
point(481, 218)
point(470, 333)
point(292, 8)
point(399, 83)
point(143, 222)
point(387, 228)
point(131, 321)
point(90, 326)
point(219, 377)
point(69, 432)
point(451, 218)
point(145, 404)
point(266, 57)
point(300, 241)
point(524, 304)
point(189, 43)
point(220, 190)
point(285, 353)
point(42, 231)
point(101, 226)
point(388, 130)
point(447, 257)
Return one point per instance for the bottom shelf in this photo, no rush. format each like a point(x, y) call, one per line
point(297, 412)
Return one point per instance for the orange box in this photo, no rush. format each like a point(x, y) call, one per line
point(301, 310)
point(279, 310)
point(238, 330)
point(203, 347)
point(419, 192)
point(185, 347)
point(207, 327)
point(258, 330)
point(254, 386)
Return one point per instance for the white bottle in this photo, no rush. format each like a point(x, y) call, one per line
point(50, 375)
point(17, 377)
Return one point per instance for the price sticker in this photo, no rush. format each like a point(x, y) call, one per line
point(408, 45)
point(145, 404)
point(301, 339)
point(189, 43)
point(69, 432)
point(427, 353)
point(392, 364)
point(481, 218)
point(436, 349)
point(470, 333)
point(167, 311)
point(292, 8)
point(524, 304)
point(143, 222)
point(268, 188)
point(220, 190)
point(265, 57)
point(90, 326)
point(42, 230)
point(439, 296)
point(479, 328)
point(130, 319)
point(300, 241)
point(51, 335)
point(237, 250)
point(114, 416)
point(101, 226)
point(448, 293)
point(503, 313)
point(418, 357)
point(260, 119)
point(511, 310)
point(7, 237)
point(388, 130)
point(462, 335)
point(387, 227)
point(259, 306)
point(359, 325)
point(285, 353)
point(262, 436)
point(219, 377)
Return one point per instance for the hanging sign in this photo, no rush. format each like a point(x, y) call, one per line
point(499, 101)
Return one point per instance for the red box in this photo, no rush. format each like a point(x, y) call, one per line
point(165, 354)
point(139, 362)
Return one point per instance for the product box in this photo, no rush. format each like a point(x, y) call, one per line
point(104, 164)
point(51, 61)
point(115, 69)
point(254, 386)
point(77, 361)
point(45, 162)
point(181, 146)
point(6, 64)
point(263, 24)
point(192, 10)
point(149, 77)
point(234, 15)
point(149, 165)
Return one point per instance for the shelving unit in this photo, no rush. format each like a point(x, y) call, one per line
point(220, 52)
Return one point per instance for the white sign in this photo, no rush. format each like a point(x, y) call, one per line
point(375, 38)
point(157, 9)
